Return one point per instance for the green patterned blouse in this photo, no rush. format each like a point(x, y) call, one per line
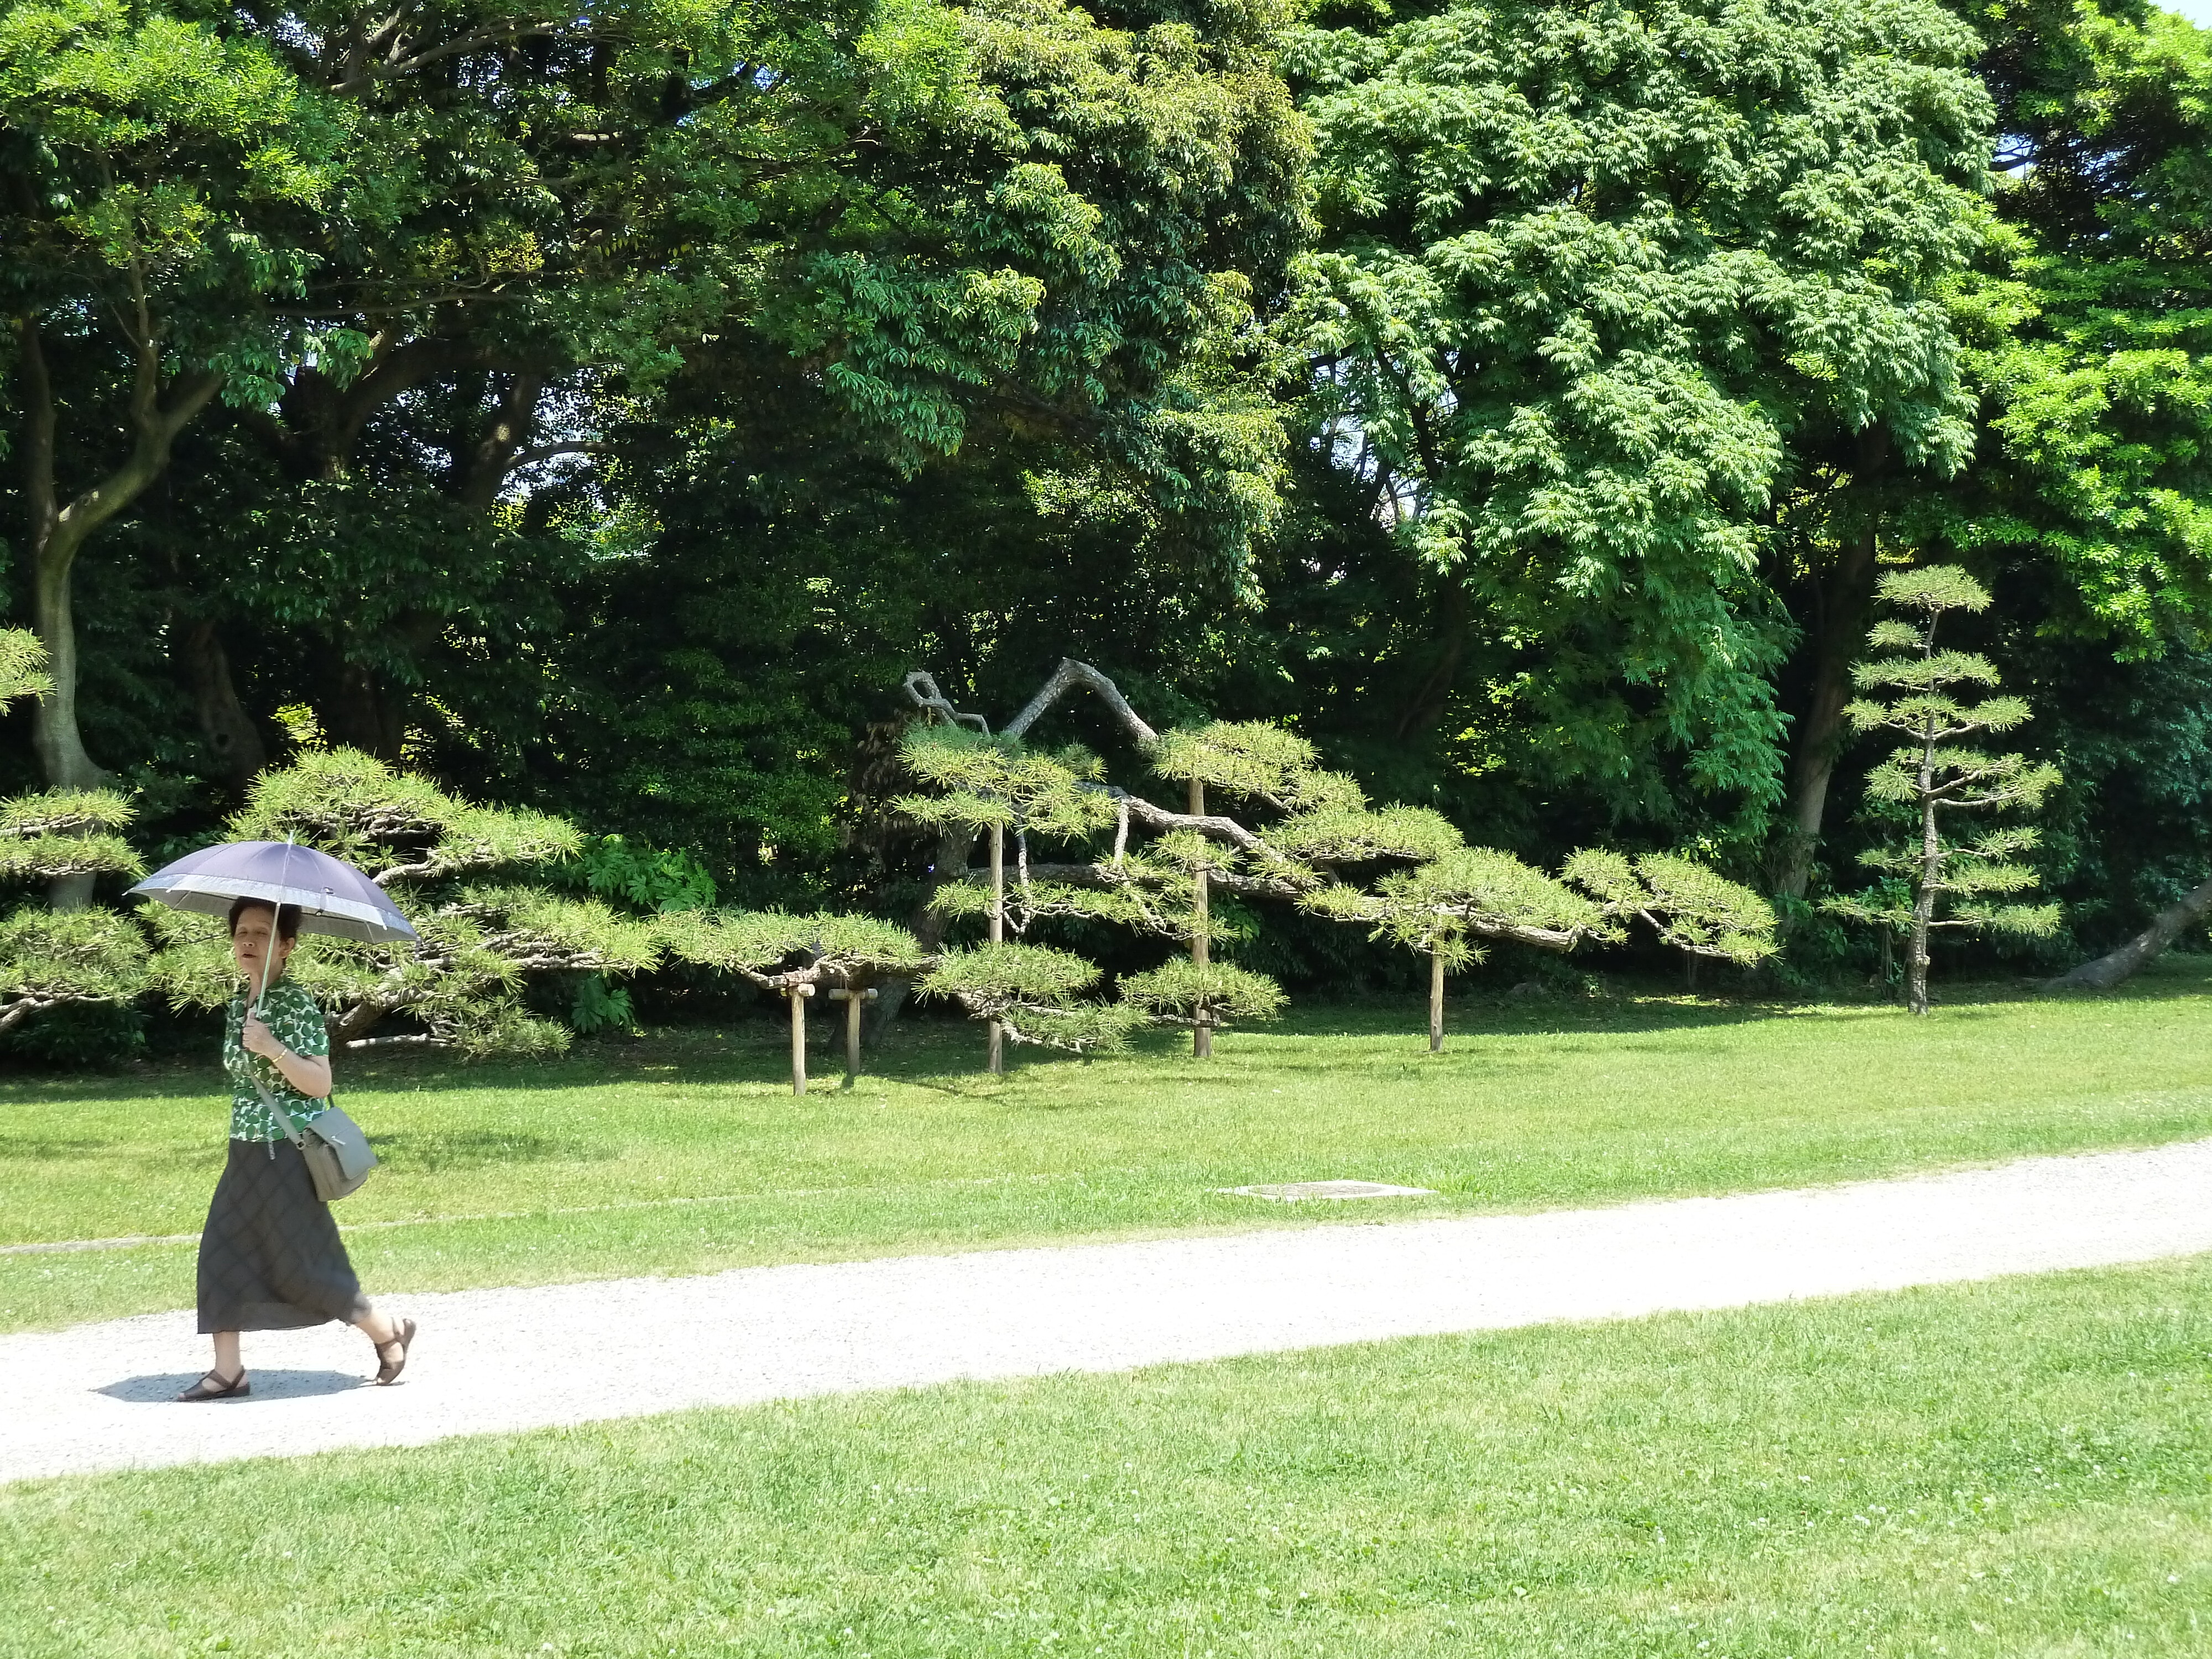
point(293, 1018)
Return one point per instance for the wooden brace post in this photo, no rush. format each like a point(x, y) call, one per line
point(853, 1001)
point(1435, 999)
point(1201, 952)
point(997, 1054)
point(799, 996)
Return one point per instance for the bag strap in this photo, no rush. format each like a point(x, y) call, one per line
point(284, 1118)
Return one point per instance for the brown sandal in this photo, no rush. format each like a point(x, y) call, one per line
point(387, 1370)
point(231, 1390)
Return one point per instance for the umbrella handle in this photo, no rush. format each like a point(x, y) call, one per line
point(275, 914)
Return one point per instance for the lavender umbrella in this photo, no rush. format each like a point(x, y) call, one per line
point(333, 896)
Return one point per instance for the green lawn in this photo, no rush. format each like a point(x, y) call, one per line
point(2010, 1469)
point(689, 1154)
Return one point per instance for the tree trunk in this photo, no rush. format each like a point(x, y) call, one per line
point(1201, 952)
point(365, 716)
point(1436, 1001)
point(1923, 901)
point(998, 932)
point(1425, 708)
point(58, 532)
point(2142, 950)
point(54, 733)
point(1842, 598)
point(231, 735)
point(502, 440)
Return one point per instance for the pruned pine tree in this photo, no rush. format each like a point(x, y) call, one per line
point(1319, 816)
point(1442, 906)
point(1445, 907)
point(1306, 824)
point(1203, 995)
point(457, 871)
point(798, 957)
point(1035, 994)
point(1690, 909)
point(994, 786)
point(47, 956)
point(1936, 771)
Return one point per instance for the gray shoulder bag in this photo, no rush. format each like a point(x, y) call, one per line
point(337, 1156)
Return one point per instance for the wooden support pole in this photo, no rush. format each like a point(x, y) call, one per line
point(1201, 947)
point(1435, 999)
point(853, 1001)
point(998, 931)
point(799, 996)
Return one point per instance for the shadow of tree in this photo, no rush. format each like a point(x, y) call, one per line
point(469, 1149)
point(49, 1149)
point(931, 1049)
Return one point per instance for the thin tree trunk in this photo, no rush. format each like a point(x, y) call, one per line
point(1844, 596)
point(1436, 1001)
point(998, 932)
point(55, 735)
point(1923, 901)
point(1202, 952)
point(2142, 950)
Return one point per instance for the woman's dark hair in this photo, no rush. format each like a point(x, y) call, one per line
point(287, 915)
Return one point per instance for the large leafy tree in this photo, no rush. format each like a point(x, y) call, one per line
point(2094, 348)
point(638, 274)
point(2083, 338)
point(1599, 282)
point(163, 183)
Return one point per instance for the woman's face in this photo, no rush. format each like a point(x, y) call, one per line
point(250, 943)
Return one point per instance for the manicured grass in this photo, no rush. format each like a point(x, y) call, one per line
point(690, 1154)
point(2005, 1469)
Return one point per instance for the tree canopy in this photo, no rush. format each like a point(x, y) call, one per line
point(1475, 433)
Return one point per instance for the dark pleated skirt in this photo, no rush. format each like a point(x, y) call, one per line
point(270, 1256)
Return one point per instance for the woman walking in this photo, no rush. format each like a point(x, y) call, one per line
point(271, 1257)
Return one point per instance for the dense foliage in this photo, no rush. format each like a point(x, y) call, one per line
point(1503, 411)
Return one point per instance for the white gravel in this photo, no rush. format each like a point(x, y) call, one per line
point(96, 1396)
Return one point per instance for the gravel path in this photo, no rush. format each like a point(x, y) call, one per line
point(96, 1396)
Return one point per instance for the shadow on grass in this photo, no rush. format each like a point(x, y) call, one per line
point(941, 1054)
point(472, 1149)
point(196, 1153)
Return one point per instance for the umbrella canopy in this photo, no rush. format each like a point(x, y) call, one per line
point(333, 896)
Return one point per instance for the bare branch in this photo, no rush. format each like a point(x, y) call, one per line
point(1065, 678)
point(922, 687)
